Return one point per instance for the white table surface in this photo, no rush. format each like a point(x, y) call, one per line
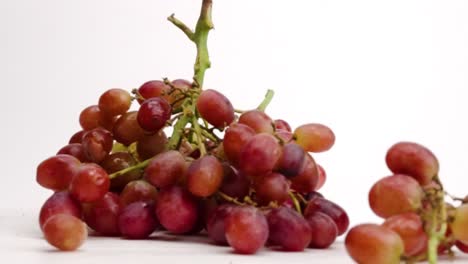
point(21, 242)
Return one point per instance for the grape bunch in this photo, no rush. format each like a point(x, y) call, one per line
point(240, 177)
point(419, 224)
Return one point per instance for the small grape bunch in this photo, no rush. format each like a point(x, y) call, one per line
point(419, 224)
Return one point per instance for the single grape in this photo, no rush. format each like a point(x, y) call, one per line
point(413, 160)
point(65, 232)
point(410, 228)
point(314, 137)
point(291, 160)
point(331, 209)
point(322, 177)
point(150, 145)
point(153, 114)
point(204, 176)
point(137, 220)
point(166, 169)
point(114, 102)
point(97, 144)
point(284, 135)
point(118, 161)
point(323, 230)
point(102, 215)
point(371, 244)
point(215, 108)
point(56, 172)
point(152, 89)
point(307, 179)
point(394, 195)
point(175, 98)
point(127, 130)
point(258, 121)
point(76, 138)
point(92, 117)
point(215, 225)
point(260, 154)
point(235, 184)
point(459, 225)
point(235, 137)
point(281, 124)
point(74, 149)
point(59, 203)
point(177, 210)
point(288, 229)
point(461, 246)
point(90, 183)
point(246, 229)
point(271, 187)
point(138, 191)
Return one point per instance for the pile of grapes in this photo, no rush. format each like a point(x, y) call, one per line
point(240, 177)
point(419, 223)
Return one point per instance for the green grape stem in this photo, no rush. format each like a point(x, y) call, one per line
point(268, 97)
point(140, 165)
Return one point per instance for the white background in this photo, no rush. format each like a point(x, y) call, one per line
point(376, 72)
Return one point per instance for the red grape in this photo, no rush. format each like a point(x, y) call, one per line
point(371, 244)
point(56, 172)
point(271, 187)
point(177, 210)
point(331, 209)
point(323, 230)
point(176, 96)
point(118, 161)
point(322, 177)
point(461, 246)
point(215, 108)
point(74, 149)
point(413, 160)
point(127, 130)
point(288, 229)
point(394, 195)
point(166, 169)
point(115, 102)
point(258, 121)
point(410, 228)
point(235, 137)
point(59, 203)
point(204, 176)
point(235, 184)
point(90, 183)
point(291, 160)
point(314, 137)
point(153, 114)
point(138, 191)
point(65, 232)
point(307, 178)
point(215, 226)
point(152, 89)
point(281, 124)
point(97, 144)
point(102, 215)
point(150, 145)
point(137, 220)
point(76, 138)
point(246, 229)
point(92, 117)
point(260, 154)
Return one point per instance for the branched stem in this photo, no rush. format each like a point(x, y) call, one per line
point(198, 133)
point(268, 97)
point(140, 165)
point(181, 26)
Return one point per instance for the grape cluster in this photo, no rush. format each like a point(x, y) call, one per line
point(240, 177)
point(418, 222)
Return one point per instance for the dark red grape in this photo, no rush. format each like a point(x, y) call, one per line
point(102, 215)
point(137, 220)
point(260, 154)
point(235, 184)
point(150, 145)
point(56, 172)
point(115, 102)
point(177, 95)
point(271, 187)
point(59, 203)
point(215, 108)
point(97, 144)
point(288, 229)
point(281, 124)
point(314, 137)
point(90, 183)
point(152, 89)
point(461, 246)
point(204, 176)
point(246, 229)
point(323, 230)
point(331, 209)
point(65, 232)
point(166, 169)
point(307, 179)
point(394, 195)
point(291, 160)
point(153, 114)
point(371, 244)
point(127, 130)
point(235, 137)
point(216, 227)
point(118, 161)
point(413, 160)
point(77, 137)
point(177, 210)
point(138, 191)
point(76, 150)
point(258, 121)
